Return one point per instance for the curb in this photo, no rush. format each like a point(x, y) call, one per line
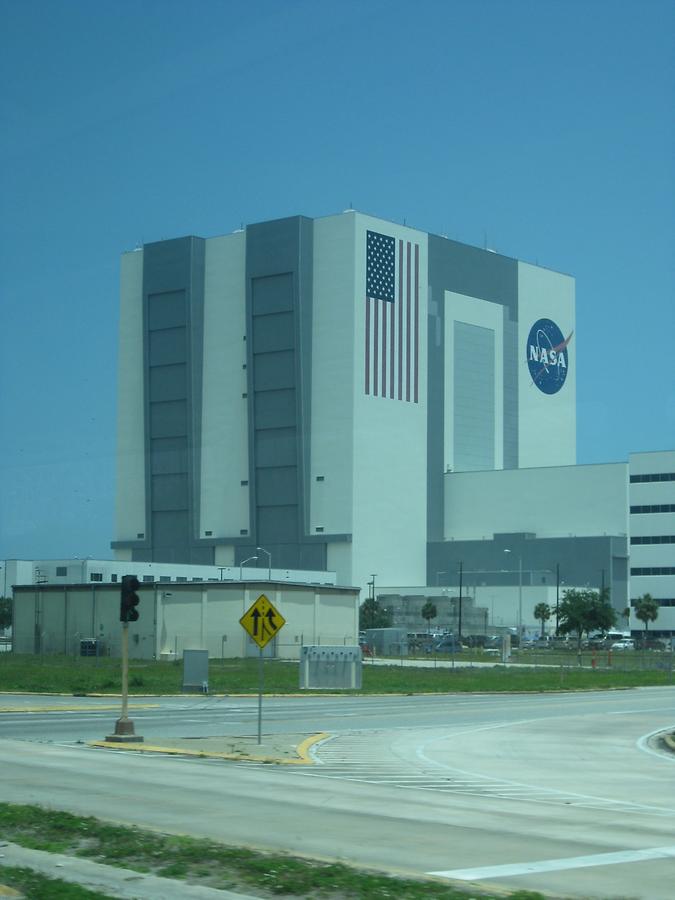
point(669, 741)
point(304, 759)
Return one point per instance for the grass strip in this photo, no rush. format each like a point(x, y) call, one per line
point(205, 862)
point(82, 676)
point(35, 886)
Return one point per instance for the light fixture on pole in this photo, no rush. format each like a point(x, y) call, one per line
point(242, 564)
point(269, 561)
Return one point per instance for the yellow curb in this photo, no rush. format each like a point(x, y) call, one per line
point(105, 708)
point(301, 750)
point(669, 740)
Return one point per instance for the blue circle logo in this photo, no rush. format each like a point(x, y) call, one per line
point(547, 357)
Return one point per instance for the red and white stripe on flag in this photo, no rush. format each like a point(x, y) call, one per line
point(392, 332)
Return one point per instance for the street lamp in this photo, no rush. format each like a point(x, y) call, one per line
point(520, 596)
point(459, 622)
point(242, 564)
point(373, 575)
point(557, 598)
point(269, 561)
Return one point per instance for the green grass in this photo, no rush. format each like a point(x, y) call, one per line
point(203, 862)
point(35, 886)
point(60, 674)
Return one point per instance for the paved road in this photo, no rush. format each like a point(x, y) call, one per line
point(565, 792)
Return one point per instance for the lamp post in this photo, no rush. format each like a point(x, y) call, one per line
point(557, 598)
point(459, 622)
point(269, 561)
point(242, 564)
point(520, 596)
point(373, 584)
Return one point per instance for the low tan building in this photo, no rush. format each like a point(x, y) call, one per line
point(84, 618)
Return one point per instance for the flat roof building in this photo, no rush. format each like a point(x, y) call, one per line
point(305, 385)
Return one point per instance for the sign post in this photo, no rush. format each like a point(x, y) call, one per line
point(262, 622)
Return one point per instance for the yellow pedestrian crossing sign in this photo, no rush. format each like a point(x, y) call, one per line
point(262, 621)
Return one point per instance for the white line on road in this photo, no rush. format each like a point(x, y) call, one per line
point(643, 744)
point(557, 865)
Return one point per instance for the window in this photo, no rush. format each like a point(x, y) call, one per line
point(654, 539)
point(658, 476)
point(654, 508)
point(208, 533)
point(61, 570)
point(140, 535)
point(243, 531)
point(96, 576)
point(320, 478)
point(164, 578)
point(244, 483)
point(148, 578)
point(113, 578)
point(319, 527)
point(181, 578)
point(654, 570)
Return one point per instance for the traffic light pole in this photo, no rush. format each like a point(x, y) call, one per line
point(124, 727)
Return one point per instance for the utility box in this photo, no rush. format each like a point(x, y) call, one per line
point(195, 671)
point(91, 647)
point(330, 667)
point(388, 641)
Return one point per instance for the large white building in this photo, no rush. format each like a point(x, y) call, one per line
point(364, 398)
point(306, 384)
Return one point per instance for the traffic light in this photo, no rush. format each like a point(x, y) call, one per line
point(129, 598)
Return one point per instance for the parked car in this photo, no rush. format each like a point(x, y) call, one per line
point(649, 644)
point(447, 644)
point(623, 645)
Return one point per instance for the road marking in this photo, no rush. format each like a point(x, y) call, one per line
point(5, 710)
point(557, 865)
point(642, 744)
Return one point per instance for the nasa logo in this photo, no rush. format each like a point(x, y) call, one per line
point(547, 357)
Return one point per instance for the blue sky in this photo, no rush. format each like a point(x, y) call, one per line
point(542, 127)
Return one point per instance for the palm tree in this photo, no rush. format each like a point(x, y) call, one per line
point(429, 612)
point(646, 610)
point(542, 613)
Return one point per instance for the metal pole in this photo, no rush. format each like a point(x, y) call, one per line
point(260, 693)
point(520, 600)
point(459, 623)
point(125, 672)
point(124, 727)
point(557, 597)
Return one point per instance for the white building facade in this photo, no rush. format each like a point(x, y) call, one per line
point(652, 536)
point(305, 385)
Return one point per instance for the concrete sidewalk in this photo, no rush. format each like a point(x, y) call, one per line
point(109, 880)
point(280, 749)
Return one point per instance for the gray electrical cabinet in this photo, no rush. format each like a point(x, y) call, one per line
point(330, 667)
point(196, 671)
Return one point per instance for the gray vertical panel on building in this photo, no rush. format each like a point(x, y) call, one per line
point(279, 315)
point(173, 291)
point(475, 273)
point(510, 391)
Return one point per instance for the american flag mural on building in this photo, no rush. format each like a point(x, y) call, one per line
point(392, 318)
